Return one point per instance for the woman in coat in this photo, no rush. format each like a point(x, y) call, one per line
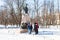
point(36, 28)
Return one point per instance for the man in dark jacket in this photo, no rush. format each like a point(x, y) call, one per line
point(29, 26)
point(36, 28)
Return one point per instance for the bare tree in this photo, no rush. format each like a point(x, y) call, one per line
point(9, 5)
point(44, 12)
point(20, 4)
point(37, 8)
point(16, 19)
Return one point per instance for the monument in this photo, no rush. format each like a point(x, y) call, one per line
point(25, 16)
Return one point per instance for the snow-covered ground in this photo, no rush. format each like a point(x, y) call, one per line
point(26, 36)
point(51, 33)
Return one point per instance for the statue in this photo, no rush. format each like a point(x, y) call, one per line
point(26, 9)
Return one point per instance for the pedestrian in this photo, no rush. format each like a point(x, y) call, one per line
point(29, 26)
point(36, 28)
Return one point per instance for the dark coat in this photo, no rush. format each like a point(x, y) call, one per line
point(36, 26)
point(29, 26)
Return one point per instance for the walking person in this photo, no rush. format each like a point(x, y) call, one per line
point(29, 26)
point(36, 28)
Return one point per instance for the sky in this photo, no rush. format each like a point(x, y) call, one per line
point(31, 5)
point(31, 2)
point(1, 2)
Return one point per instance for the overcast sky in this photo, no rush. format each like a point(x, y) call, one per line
point(1, 2)
point(31, 4)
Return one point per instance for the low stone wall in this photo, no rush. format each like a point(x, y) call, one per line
point(23, 30)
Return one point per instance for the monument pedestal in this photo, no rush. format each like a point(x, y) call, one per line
point(25, 18)
point(23, 30)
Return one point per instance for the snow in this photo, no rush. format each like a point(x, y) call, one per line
point(44, 34)
point(28, 37)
